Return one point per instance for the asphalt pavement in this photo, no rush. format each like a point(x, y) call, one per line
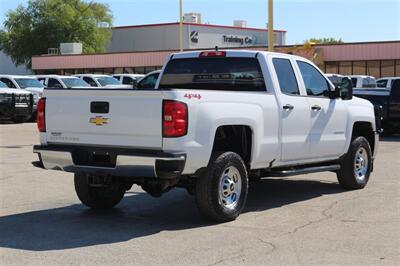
point(305, 220)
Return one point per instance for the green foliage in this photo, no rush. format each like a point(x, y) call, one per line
point(329, 40)
point(45, 24)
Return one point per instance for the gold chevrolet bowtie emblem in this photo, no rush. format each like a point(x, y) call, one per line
point(98, 120)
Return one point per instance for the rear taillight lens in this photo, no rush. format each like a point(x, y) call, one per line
point(41, 108)
point(175, 119)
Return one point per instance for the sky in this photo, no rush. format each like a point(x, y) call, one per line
point(350, 20)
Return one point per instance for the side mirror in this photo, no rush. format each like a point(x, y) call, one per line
point(334, 92)
point(346, 89)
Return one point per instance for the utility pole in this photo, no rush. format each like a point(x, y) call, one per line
point(270, 26)
point(180, 26)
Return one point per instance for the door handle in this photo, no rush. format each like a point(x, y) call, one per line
point(316, 108)
point(288, 107)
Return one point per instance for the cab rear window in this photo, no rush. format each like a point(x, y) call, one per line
point(213, 73)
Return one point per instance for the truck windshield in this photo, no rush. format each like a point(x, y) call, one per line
point(29, 83)
point(213, 73)
point(74, 82)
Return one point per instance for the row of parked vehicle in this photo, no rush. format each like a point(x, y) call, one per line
point(19, 95)
point(383, 93)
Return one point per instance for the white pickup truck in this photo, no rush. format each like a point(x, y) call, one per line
point(215, 119)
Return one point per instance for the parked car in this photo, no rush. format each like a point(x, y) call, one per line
point(129, 79)
point(388, 100)
point(58, 81)
point(387, 82)
point(27, 83)
point(105, 81)
point(15, 104)
point(215, 118)
point(149, 81)
point(363, 82)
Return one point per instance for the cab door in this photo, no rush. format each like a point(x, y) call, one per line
point(294, 109)
point(328, 117)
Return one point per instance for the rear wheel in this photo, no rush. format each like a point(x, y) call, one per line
point(356, 166)
point(102, 197)
point(221, 192)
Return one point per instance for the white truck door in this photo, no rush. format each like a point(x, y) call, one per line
point(294, 110)
point(328, 117)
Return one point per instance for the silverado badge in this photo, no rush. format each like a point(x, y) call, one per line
point(98, 120)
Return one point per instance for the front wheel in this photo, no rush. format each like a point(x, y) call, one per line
point(103, 197)
point(221, 191)
point(356, 166)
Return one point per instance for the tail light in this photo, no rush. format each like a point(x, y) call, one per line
point(175, 119)
point(41, 108)
point(213, 54)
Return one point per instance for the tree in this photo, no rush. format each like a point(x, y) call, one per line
point(329, 40)
point(45, 24)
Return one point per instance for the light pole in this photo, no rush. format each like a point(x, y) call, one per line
point(180, 27)
point(270, 26)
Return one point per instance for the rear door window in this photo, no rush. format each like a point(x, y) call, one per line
point(286, 77)
point(213, 73)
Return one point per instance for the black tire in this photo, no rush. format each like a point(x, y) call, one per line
point(98, 197)
point(347, 175)
point(208, 186)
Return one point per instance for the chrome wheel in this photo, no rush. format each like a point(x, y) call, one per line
point(230, 187)
point(361, 163)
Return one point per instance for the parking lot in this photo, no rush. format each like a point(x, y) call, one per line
point(307, 219)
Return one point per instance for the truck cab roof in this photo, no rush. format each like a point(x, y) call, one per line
point(229, 53)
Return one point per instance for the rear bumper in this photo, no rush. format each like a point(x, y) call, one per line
point(124, 163)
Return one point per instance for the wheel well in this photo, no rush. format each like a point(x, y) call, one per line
point(236, 138)
point(365, 130)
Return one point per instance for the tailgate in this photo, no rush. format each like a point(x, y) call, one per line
point(124, 118)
